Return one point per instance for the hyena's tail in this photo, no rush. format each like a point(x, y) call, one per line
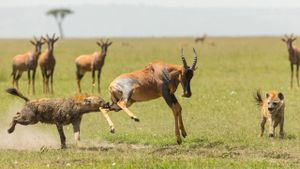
point(15, 92)
point(258, 98)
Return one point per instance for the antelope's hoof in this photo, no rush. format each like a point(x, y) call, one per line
point(63, 146)
point(183, 134)
point(135, 119)
point(179, 141)
point(112, 130)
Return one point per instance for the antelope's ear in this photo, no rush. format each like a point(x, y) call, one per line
point(32, 42)
point(267, 95)
point(294, 39)
point(56, 39)
point(109, 44)
point(99, 43)
point(283, 39)
point(280, 96)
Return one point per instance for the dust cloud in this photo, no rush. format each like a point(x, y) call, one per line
point(24, 137)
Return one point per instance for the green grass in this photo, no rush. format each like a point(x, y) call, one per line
point(221, 118)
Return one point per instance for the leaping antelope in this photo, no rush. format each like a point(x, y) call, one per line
point(93, 63)
point(294, 56)
point(47, 63)
point(155, 80)
point(27, 62)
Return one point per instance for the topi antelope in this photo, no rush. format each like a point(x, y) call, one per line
point(294, 56)
point(93, 63)
point(27, 62)
point(47, 63)
point(155, 80)
point(201, 39)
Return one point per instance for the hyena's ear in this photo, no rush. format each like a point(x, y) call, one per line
point(280, 96)
point(267, 95)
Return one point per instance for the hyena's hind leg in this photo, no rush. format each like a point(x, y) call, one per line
point(18, 118)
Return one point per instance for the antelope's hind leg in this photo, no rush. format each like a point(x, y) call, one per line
point(123, 104)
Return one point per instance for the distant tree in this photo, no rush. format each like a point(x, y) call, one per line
point(59, 14)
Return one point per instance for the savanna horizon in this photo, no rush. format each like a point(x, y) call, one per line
point(221, 118)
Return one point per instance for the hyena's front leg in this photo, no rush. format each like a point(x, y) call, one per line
point(273, 125)
point(281, 132)
point(76, 130)
point(262, 126)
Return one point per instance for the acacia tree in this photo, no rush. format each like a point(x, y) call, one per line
point(59, 14)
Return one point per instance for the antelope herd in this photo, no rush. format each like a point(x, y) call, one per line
point(155, 80)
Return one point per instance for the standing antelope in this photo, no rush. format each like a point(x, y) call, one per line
point(47, 63)
point(93, 63)
point(27, 62)
point(201, 39)
point(156, 80)
point(294, 56)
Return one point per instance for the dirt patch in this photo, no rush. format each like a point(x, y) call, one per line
point(106, 146)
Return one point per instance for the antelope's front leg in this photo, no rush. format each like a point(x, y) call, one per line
point(93, 77)
point(171, 101)
point(292, 74)
point(76, 130)
point(110, 123)
point(297, 74)
point(29, 81)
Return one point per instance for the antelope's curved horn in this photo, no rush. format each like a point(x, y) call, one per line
point(53, 36)
point(35, 38)
point(107, 41)
point(102, 41)
point(47, 36)
point(195, 60)
point(286, 36)
point(183, 59)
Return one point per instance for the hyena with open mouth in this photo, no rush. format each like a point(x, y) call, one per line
point(272, 109)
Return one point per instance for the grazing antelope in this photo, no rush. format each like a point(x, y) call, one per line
point(93, 63)
point(156, 80)
point(201, 39)
point(294, 56)
point(47, 63)
point(27, 62)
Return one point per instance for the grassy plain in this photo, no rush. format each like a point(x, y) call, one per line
point(221, 118)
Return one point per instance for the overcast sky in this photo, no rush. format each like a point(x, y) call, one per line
point(139, 18)
point(161, 3)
